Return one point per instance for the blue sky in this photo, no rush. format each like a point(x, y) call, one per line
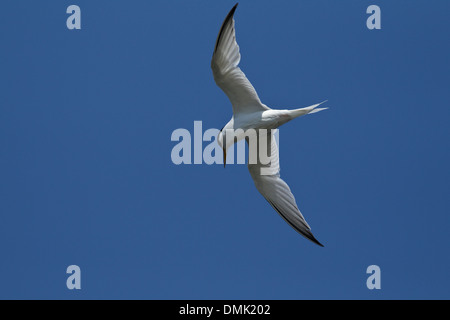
point(86, 175)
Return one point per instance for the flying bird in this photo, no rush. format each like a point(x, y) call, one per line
point(250, 113)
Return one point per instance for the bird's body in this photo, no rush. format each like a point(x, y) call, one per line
point(251, 115)
point(267, 119)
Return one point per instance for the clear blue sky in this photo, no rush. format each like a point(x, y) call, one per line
point(86, 175)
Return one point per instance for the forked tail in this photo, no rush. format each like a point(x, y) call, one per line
point(311, 109)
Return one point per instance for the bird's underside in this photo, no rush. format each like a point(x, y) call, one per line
point(247, 107)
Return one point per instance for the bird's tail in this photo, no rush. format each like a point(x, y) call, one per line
point(311, 109)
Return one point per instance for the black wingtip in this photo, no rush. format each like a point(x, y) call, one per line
point(231, 13)
point(310, 237)
point(316, 242)
point(307, 234)
point(228, 17)
point(233, 9)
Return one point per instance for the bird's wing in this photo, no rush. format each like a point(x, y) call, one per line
point(228, 75)
point(268, 182)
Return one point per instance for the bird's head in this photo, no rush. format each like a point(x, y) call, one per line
point(226, 138)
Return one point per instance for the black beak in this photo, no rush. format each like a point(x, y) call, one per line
point(224, 157)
